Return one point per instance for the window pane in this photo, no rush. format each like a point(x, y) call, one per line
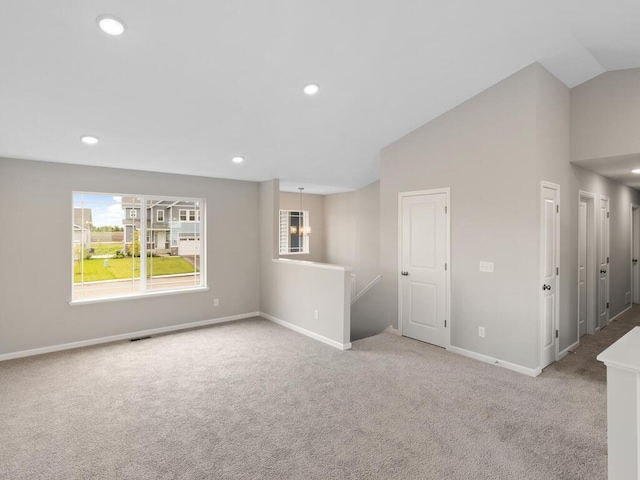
point(294, 232)
point(174, 246)
point(106, 232)
point(111, 233)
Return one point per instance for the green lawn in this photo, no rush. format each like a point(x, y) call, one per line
point(106, 248)
point(120, 268)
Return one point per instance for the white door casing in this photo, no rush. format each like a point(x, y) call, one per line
point(591, 291)
point(424, 279)
point(603, 262)
point(549, 272)
point(635, 253)
point(582, 268)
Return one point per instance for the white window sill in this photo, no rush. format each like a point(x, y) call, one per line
point(159, 293)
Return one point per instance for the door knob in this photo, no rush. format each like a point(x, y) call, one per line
point(546, 287)
point(635, 260)
point(603, 272)
point(404, 273)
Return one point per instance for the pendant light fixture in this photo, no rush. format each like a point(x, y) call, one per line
point(303, 231)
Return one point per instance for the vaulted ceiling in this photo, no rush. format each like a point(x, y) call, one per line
point(192, 84)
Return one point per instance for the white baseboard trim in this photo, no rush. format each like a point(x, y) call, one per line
point(621, 313)
point(566, 351)
point(532, 372)
point(392, 330)
point(124, 336)
point(308, 333)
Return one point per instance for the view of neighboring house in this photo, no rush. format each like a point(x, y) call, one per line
point(173, 227)
point(82, 226)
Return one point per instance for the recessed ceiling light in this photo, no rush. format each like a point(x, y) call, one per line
point(635, 170)
point(110, 25)
point(89, 139)
point(311, 89)
point(237, 159)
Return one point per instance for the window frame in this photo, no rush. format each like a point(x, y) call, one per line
point(306, 224)
point(143, 292)
point(158, 212)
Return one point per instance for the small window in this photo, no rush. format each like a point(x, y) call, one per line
point(192, 215)
point(160, 216)
point(183, 215)
point(294, 232)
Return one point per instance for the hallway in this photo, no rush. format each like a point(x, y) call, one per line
point(583, 361)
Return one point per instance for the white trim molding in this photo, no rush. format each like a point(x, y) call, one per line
point(306, 263)
point(371, 284)
point(308, 333)
point(621, 313)
point(568, 350)
point(532, 372)
point(393, 331)
point(124, 336)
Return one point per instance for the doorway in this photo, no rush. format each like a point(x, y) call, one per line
point(587, 279)
point(603, 263)
point(424, 258)
point(635, 254)
point(549, 272)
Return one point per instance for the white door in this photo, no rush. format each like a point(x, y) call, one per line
point(582, 268)
point(549, 237)
point(635, 254)
point(603, 263)
point(423, 269)
point(161, 240)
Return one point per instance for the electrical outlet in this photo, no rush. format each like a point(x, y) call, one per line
point(486, 267)
point(216, 302)
point(316, 314)
point(481, 332)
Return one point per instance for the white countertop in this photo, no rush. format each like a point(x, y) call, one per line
point(625, 353)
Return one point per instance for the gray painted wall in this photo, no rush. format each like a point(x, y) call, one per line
point(493, 151)
point(314, 204)
point(290, 290)
point(604, 116)
point(352, 233)
point(35, 281)
point(553, 156)
point(485, 150)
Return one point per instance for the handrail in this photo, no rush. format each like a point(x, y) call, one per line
point(366, 289)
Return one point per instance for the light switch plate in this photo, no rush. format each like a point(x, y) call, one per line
point(486, 267)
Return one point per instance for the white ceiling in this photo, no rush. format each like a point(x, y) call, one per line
point(193, 83)
point(617, 168)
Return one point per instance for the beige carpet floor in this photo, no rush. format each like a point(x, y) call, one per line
point(252, 400)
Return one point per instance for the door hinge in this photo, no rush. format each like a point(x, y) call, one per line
point(556, 333)
point(557, 208)
point(607, 304)
point(607, 259)
point(607, 214)
point(445, 209)
point(557, 271)
point(445, 324)
point(445, 266)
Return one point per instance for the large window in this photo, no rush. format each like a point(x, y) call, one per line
point(294, 232)
point(113, 233)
